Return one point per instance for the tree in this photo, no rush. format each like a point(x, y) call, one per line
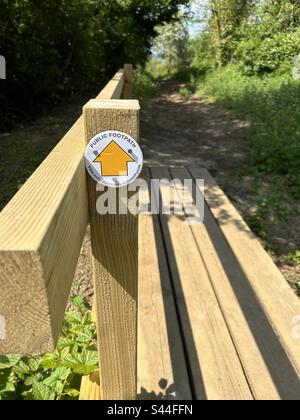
point(53, 47)
point(271, 38)
point(227, 16)
point(172, 43)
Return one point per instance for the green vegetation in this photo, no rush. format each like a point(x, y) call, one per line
point(157, 69)
point(247, 61)
point(54, 376)
point(272, 103)
point(246, 58)
point(145, 84)
point(54, 47)
point(294, 258)
point(296, 286)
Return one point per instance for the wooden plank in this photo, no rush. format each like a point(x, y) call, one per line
point(214, 364)
point(160, 348)
point(265, 363)
point(37, 261)
point(41, 232)
point(114, 88)
point(90, 384)
point(128, 76)
point(90, 387)
point(115, 263)
point(277, 299)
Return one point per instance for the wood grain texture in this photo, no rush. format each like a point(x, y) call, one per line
point(115, 264)
point(39, 247)
point(160, 347)
point(265, 363)
point(114, 88)
point(274, 295)
point(90, 387)
point(41, 233)
point(267, 366)
point(214, 364)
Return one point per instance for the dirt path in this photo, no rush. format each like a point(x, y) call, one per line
point(177, 131)
point(174, 131)
point(193, 132)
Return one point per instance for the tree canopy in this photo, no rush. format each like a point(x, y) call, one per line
point(261, 35)
point(53, 47)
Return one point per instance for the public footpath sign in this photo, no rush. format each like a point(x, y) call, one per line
point(113, 159)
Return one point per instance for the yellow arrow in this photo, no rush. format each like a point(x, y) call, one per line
point(114, 160)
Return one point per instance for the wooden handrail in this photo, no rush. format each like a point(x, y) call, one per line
point(115, 264)
point(41, 234)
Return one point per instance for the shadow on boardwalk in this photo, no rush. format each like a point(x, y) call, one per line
point(193, 132)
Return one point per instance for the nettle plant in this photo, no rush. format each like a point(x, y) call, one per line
point(54, 376)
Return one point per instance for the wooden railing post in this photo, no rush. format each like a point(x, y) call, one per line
point(40, 242)
point(115, 264)
point(128, 86)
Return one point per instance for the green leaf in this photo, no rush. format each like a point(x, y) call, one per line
point(42, 392)
point(56, 380)
point(50, 361)
point(34, 364)
point(70, 361)
point(64, 342)
point(6, 384)
point(89, 358)
point(84, 369)
point(74, 350)
point(30, 380)
point(72, 392)
point(65, 353)
point(21, 368)
point(79, 302)
point(74, 318)
point(60, 374)
point(9, 361)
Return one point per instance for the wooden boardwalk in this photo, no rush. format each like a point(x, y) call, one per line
point(215, 314)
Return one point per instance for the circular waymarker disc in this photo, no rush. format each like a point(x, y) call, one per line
point(113, 159)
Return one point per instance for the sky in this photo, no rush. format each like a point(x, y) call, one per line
point(200, 15)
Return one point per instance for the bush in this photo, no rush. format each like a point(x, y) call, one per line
point(157, 68)
point(53, 47)
point(272, 103)
point(144, 86)
point(260, 51)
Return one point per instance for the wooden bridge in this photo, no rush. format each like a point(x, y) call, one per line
point(183, 311)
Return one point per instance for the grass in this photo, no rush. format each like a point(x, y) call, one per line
point(19, 157)
point(272, 104)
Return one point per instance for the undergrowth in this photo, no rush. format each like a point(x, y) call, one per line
point(272, 104)
point(145, 85)
point(54, 376)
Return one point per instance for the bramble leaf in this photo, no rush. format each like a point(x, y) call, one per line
point(42, 392)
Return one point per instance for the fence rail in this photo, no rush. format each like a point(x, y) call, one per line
point(41, 234)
